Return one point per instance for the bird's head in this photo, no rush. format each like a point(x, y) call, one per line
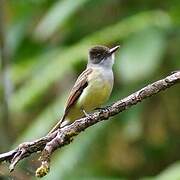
point(102, 55)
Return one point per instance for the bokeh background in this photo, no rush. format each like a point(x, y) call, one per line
point(44, 46)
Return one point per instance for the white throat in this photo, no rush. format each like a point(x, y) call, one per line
point(106, 63)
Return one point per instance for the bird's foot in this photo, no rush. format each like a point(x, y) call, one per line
point(85, 113)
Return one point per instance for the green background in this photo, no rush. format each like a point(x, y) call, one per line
point(47, 44)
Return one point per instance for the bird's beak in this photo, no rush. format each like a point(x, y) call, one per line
point(112, 50)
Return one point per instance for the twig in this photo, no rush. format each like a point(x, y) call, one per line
point(49, 143)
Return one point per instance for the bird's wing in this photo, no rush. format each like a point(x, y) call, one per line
point(80, 84)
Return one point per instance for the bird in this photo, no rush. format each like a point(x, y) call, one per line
point(92, 88)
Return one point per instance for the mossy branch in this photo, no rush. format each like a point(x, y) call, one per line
point(49, 143)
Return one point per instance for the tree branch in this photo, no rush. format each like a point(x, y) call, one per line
point(49, 143)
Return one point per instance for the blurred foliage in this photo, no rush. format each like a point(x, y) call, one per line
point(47, 43)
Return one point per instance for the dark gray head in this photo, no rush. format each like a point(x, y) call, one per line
point(100, 54)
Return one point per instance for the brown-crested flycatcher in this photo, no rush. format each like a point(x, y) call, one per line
point(92, 88)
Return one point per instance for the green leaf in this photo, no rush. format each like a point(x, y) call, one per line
point(141, 55)
point(26, 68)
point(15, 34)
point(56, 17)
point(172, 172)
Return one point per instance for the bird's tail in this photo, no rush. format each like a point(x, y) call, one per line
point(57, 126)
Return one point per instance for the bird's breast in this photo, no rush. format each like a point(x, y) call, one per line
point(98, 90)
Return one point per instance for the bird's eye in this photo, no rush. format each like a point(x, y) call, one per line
point(98, 55)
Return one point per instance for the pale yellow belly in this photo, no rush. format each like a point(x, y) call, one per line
point(93, 96)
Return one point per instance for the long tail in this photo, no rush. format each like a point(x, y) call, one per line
point(57, 126)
